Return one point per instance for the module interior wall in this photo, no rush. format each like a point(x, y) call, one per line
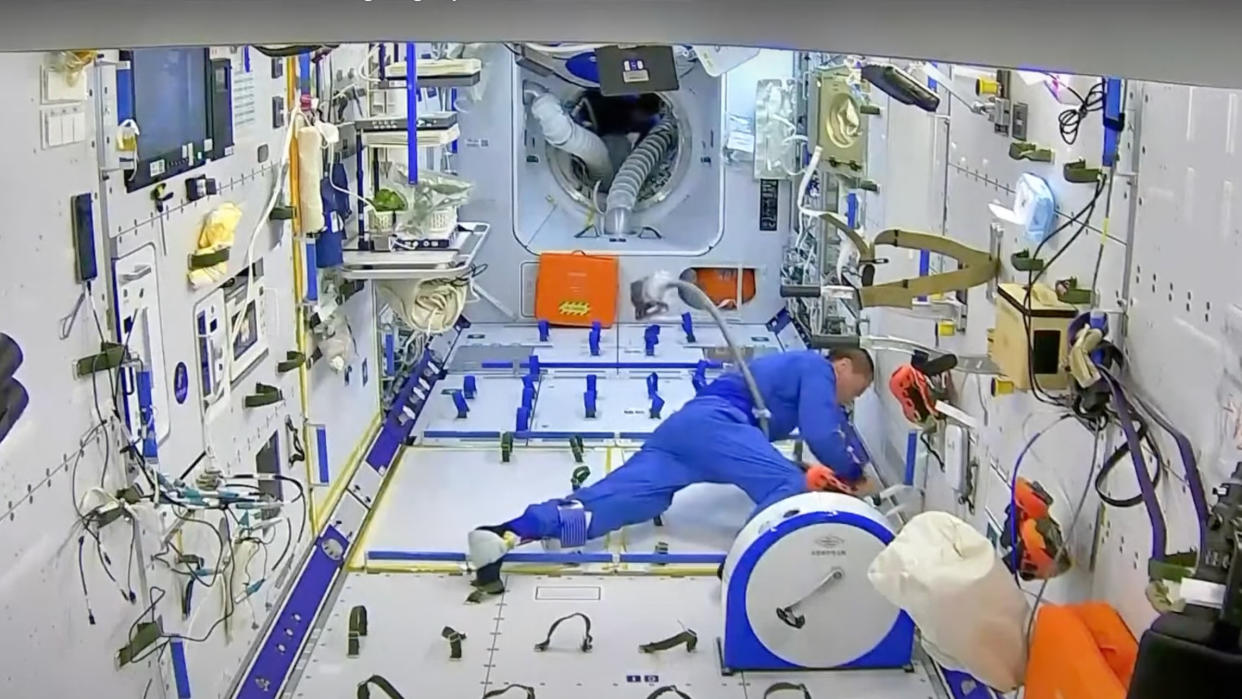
point(41, 604)
point(494, 123)
point(1185, 313)
point(232, 436)
point(978, 172)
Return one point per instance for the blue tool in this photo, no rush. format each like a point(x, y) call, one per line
point(653, 384)
point(528, 396)
point(528, 382)
point(588, 402)
point(523, 419)
point(657, 404)
point(533, 363)
point(687, 324)
point(592, 382)
point(463, 409)
point(543, 331)
point(470, 386)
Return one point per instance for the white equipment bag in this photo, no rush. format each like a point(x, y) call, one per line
point(970, 611)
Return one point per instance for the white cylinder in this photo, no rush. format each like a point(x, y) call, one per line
point(844, 619)
point(564, 133)
point(310, 174)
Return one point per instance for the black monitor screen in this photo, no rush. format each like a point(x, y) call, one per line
point(170, 99)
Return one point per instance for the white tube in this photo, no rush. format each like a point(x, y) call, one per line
point(562, 132)
point(310, 174)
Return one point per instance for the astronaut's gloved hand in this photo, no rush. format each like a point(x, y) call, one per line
point(821, 478)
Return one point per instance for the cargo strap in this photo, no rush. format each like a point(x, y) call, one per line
point(263, 395)
point(293, 360)
point(579, 476)
point(530, 691)
point(787, 686)
point(357, 629)
point(364, 692)
point(209, 259)
point(687, 637)
point(454, 638)
point(586, 636)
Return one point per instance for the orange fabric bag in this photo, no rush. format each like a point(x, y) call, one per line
point(1082, 651)
point(574, 288)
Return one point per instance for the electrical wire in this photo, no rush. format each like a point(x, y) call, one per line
point(1071, 119)
point(931, 450)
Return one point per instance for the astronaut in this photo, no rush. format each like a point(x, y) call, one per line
point(714, 438)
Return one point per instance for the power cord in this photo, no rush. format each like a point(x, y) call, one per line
point(1071, 119)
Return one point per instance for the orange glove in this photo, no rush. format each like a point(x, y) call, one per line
point(822, 478)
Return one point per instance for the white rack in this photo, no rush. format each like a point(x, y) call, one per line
point(427, 138)
point(455, 260)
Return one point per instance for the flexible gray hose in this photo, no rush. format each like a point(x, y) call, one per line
point(761, 409)
point(633, 173)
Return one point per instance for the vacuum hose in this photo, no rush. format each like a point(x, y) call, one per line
point(623, 194)
point(761, 409)
point(564, 133)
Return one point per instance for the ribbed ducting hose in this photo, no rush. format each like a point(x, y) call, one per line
point(623, 194)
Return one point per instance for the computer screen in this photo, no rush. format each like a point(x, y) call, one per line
point(170, 99)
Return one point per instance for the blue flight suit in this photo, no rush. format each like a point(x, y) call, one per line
point(715, 438)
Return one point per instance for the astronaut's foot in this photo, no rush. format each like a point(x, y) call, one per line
point(487, 547)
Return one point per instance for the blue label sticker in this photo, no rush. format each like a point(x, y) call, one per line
point(633, 678)
point(651, 678)
point(181, 382)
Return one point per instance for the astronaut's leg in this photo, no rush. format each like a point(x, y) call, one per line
point(638, 491)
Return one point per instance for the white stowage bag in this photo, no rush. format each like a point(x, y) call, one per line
point(969, 610)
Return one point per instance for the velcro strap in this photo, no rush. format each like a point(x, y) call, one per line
point(573, 526)
point(364, 692)
point(687, 637)
point(787, 686)
point(668, 689)
point(209, 259)
point(454, 638)
point(530, 691)
point(357, 629)
point(586, 635)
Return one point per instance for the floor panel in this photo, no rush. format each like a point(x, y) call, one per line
point(406, 613)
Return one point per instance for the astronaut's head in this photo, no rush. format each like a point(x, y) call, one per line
point(855, 371)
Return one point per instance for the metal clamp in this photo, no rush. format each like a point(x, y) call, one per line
point(506, 447)
point(688, 638)
point(357, 630)
point(364, 692)
point(586, 636)
point(454, 638)
point(530, 691)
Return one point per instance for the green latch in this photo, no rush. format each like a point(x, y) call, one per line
point(263, 395)
point(576, 446)
point(1068, 291)
point(281, 213)
point(1077, 172)
point(506, 447)
point(1023, 262)
point(578, 477)
point(1025, 150)
point(145, 634)
point(357, 630)
point(293, 360)
point(111, 355)
point(209, 259)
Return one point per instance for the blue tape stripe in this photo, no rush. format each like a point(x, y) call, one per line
point(603, 365)
point(312, 273)
point(397, 425)
point(288, 632)
point(304, 74)
point(124, 95)
point(635, 435)
point(245, 59)
point(390, 354)
point(924, 267)
point(912, 450)
point(461, 434)
point(1112, 120)
point(181, 673)
point(553, 557)
point(146, 415)
point(931, 82)
point(564, 434)
point(411, 111)
point(321, 439)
